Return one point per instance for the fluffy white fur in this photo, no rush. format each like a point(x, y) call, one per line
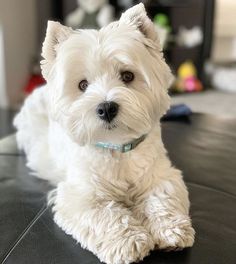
point(119, 206)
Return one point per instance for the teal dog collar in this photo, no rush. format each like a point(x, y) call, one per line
point(123, 147)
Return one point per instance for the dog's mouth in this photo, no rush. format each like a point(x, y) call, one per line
point(108, 126)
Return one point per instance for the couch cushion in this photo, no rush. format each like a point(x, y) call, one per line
point(8, 145)
point(204, 147)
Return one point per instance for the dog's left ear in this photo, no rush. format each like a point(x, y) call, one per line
point(56, 34)
point(137, 16)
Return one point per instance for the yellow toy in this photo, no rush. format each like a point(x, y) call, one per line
point(187, 80)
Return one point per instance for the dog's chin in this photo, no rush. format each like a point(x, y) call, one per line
point(114, 132)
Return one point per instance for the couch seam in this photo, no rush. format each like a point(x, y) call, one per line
point(211, 188)
point(25, 231)
point(11, 154)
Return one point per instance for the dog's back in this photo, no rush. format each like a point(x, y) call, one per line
point(32, 134)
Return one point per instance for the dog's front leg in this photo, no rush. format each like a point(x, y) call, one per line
point(165, 213)
point(101, 225)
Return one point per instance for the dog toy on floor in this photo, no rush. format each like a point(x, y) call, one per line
point(177, 112)
point(107, 88)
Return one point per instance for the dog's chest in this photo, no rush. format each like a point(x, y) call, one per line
point(126, 178)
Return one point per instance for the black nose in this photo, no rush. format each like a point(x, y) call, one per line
point(107, 111)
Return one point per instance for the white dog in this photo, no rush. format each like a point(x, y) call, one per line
point(94, 131)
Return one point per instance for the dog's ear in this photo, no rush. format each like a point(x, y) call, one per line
point(137, 16)
point(55, 35)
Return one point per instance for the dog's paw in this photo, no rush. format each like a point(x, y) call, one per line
point(175, 235)
point(129, 247)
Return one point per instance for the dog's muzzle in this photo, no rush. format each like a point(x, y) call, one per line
point(107, 111)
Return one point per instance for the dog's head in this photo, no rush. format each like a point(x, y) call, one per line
point(108, 85)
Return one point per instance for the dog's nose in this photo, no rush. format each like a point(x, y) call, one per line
point(107, 111)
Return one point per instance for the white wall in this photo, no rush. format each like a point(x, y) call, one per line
point(224, 35)
point(18, 23)
point(3, 96)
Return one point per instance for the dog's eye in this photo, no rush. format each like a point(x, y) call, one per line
point(83, 85)
point(127, 76)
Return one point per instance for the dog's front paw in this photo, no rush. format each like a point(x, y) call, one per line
point(176, 234)
point(128, 247)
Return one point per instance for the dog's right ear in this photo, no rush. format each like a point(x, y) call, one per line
point(137, 16)
point(55, 35)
